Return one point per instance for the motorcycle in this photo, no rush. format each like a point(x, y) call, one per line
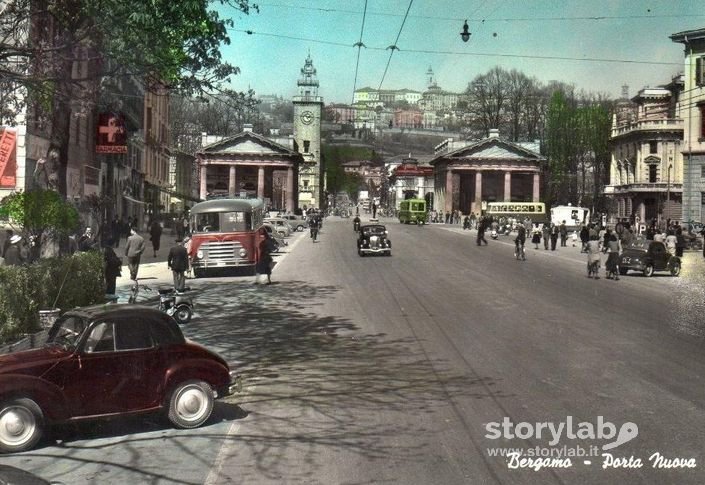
point(176, 304)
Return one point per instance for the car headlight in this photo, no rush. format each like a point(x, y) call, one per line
point(243, 252)
point(199, 254)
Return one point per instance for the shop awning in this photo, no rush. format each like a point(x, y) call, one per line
point(133, 200)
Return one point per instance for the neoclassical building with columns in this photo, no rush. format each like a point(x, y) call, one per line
point(250, 165)
point(489, 170)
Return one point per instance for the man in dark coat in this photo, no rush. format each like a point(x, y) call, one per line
point(481, 228)
point(155, 235)
point(14, 255)
point(133, 251)
point(112, 266)
point(177, 261)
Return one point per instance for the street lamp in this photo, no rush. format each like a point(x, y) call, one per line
point(465, 34)
point(668, 187)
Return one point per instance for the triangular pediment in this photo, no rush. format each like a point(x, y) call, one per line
point(494, 149)
point(246, 143)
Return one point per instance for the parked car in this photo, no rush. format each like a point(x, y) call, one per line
point(108, 360)
point(280, 225)
point(373, 239)
point(297, 223)
point(279, 241)
point(647, 257)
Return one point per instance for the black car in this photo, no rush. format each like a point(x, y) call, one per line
point(373, 239)
point(648, 256)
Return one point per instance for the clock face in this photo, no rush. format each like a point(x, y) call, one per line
point(307, 117)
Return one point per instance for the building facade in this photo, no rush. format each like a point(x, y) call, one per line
point(308, 106)
point(488, 170)
point(410, 179)
point(692, 110)
point(646, 162)
point(249, 165)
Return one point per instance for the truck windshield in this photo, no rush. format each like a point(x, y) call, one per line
point(221, 222)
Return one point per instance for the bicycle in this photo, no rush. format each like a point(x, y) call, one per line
point(519, 250)
point(134, 291)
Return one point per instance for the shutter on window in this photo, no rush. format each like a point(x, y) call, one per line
point(699, 71)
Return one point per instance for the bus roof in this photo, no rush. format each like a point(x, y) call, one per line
point(227, 205)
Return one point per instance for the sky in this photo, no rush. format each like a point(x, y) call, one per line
point(596, 45)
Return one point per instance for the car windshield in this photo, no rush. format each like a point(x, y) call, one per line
point(640, 243)
point(373, 230)
point(221, 222)
point(67, 331)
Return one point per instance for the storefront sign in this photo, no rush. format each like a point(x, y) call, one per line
point(111, 136)
point(516, 208)
point(8, 157)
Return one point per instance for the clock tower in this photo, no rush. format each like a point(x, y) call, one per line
point(307, 137)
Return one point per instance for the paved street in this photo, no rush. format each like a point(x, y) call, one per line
point(388, 369)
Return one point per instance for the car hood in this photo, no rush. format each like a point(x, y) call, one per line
point(634, 252)
point(31, 362)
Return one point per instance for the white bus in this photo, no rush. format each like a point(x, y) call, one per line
point(572, 215)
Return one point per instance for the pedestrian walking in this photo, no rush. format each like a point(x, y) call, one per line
point(264, 262)
point(133, 251)
point(563, 230)
point(155, 235)
point(86, 242)
point(593, 255)
point(612, 265)
point(481, 228)
point(671, 242)
point(584, 237)
point(680, 242)
point(536, 236)
point(112, 268)
point(554, 236)
point(177, 261)
point(546, 233)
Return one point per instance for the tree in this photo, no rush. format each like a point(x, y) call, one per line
point(168, 45)
point(40, 215)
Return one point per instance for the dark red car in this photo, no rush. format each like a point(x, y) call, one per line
point(105, 361)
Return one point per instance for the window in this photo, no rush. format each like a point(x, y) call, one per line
point(700, 71)
point(652, 174)
point(307, 144)
point(132, 335)
point(702, 120)
point(653, 147)
point(702, 171)
point(101, 338)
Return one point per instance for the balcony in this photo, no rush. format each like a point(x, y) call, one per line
point(643, 187)
point(669, 124)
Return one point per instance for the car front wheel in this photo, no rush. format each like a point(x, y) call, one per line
point(649, 270)
point(300, 228)
point(675, 269)
point(21, 425)
point(191, 404)
point(623, 271)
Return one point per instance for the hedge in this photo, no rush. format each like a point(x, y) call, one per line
point(26, 289)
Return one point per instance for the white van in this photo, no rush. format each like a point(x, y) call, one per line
point(573, 216)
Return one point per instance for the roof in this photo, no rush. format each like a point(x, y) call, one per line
point(105, 309)
point(490, 148)
point(688, 35)
point(247, 142)
point(226, 204)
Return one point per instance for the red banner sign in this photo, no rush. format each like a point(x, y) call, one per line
point(8, 158)
point(112, 135)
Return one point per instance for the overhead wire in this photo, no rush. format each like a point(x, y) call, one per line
point(394, 47)
point(465, 53)
point(359, 45)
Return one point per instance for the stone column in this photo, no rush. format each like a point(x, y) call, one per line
point(449, 191)
point(231, 182)
point(478, 192)
point(260, 182)
point(537, 193)
point(507, 186)
point(204, 190)
point(290, 190)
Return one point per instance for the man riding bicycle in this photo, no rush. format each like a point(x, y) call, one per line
point(519, 242)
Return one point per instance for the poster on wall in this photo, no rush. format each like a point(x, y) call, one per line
point(8, 157)
point(112, 135)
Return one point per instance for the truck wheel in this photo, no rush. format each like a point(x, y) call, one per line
point(649, 270)
point(191, 404)
point(21, 425)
